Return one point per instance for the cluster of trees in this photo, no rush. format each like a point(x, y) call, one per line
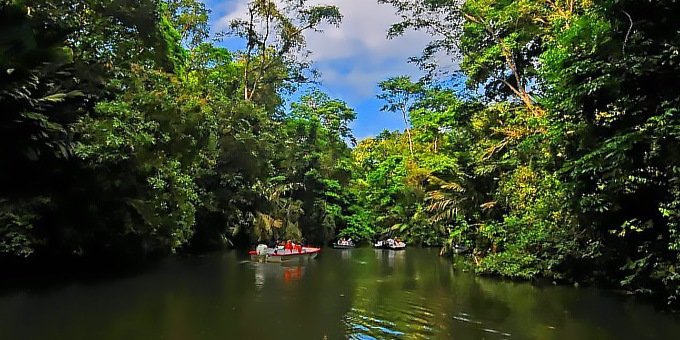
point(562, 157)
point(127, 133)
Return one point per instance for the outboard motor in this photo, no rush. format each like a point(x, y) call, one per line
point(261, 249)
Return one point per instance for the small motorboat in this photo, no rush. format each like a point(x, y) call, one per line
point(390, 244)
point(342, 244)
point(459, 249)
point(282, 254)
point(397, 246)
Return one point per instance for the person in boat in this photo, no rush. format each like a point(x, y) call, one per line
point(275, 245)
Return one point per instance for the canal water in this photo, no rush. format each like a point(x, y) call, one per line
point(356, 294)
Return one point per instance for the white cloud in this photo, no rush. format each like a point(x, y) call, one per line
point(362, 34)
point(230, 9)
point(356, 56)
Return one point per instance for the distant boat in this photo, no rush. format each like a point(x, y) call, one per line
point(344, 244)
point(264, 254)
point(459, 249)
point(390, 244)
point(397, 246)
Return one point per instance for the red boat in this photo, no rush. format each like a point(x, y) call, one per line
point(283, 254)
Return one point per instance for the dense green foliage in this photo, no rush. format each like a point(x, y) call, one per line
point(562, 162)
point(127, 133)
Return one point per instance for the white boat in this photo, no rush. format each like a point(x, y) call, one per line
point(277, 255)
point(342, 244)
point(390, 244)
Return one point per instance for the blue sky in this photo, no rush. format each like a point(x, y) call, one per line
point(352, 58)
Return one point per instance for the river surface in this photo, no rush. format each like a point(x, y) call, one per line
point(356, 294)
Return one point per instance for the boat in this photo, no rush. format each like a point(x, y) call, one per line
point(459, 249)
point(344, 244)
point(277, 255)
point(390, 244)
point(397, 246)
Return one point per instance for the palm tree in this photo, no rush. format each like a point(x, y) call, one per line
point(444, 205)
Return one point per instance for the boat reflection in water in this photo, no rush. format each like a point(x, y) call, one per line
point(345, 254)
point(292, 273)
point(393, 257)
point(273, 272)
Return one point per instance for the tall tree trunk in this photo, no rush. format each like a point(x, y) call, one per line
point(408, 131)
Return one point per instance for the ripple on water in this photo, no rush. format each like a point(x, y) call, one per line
point(406, 319)
point(477, 324)
point(362, 325)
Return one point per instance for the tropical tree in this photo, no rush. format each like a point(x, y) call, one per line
point(400, 93)
point(274, 32)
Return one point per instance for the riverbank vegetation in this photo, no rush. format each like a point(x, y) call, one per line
point(553, 153)
point(128, 132)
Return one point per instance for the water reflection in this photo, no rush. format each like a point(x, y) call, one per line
point(345, 254)
point(362, 326)
point(276, 272)
point(477, 324)
point(357, 294)
point(395, 257)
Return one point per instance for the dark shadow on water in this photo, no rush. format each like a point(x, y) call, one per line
point(47, 275)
